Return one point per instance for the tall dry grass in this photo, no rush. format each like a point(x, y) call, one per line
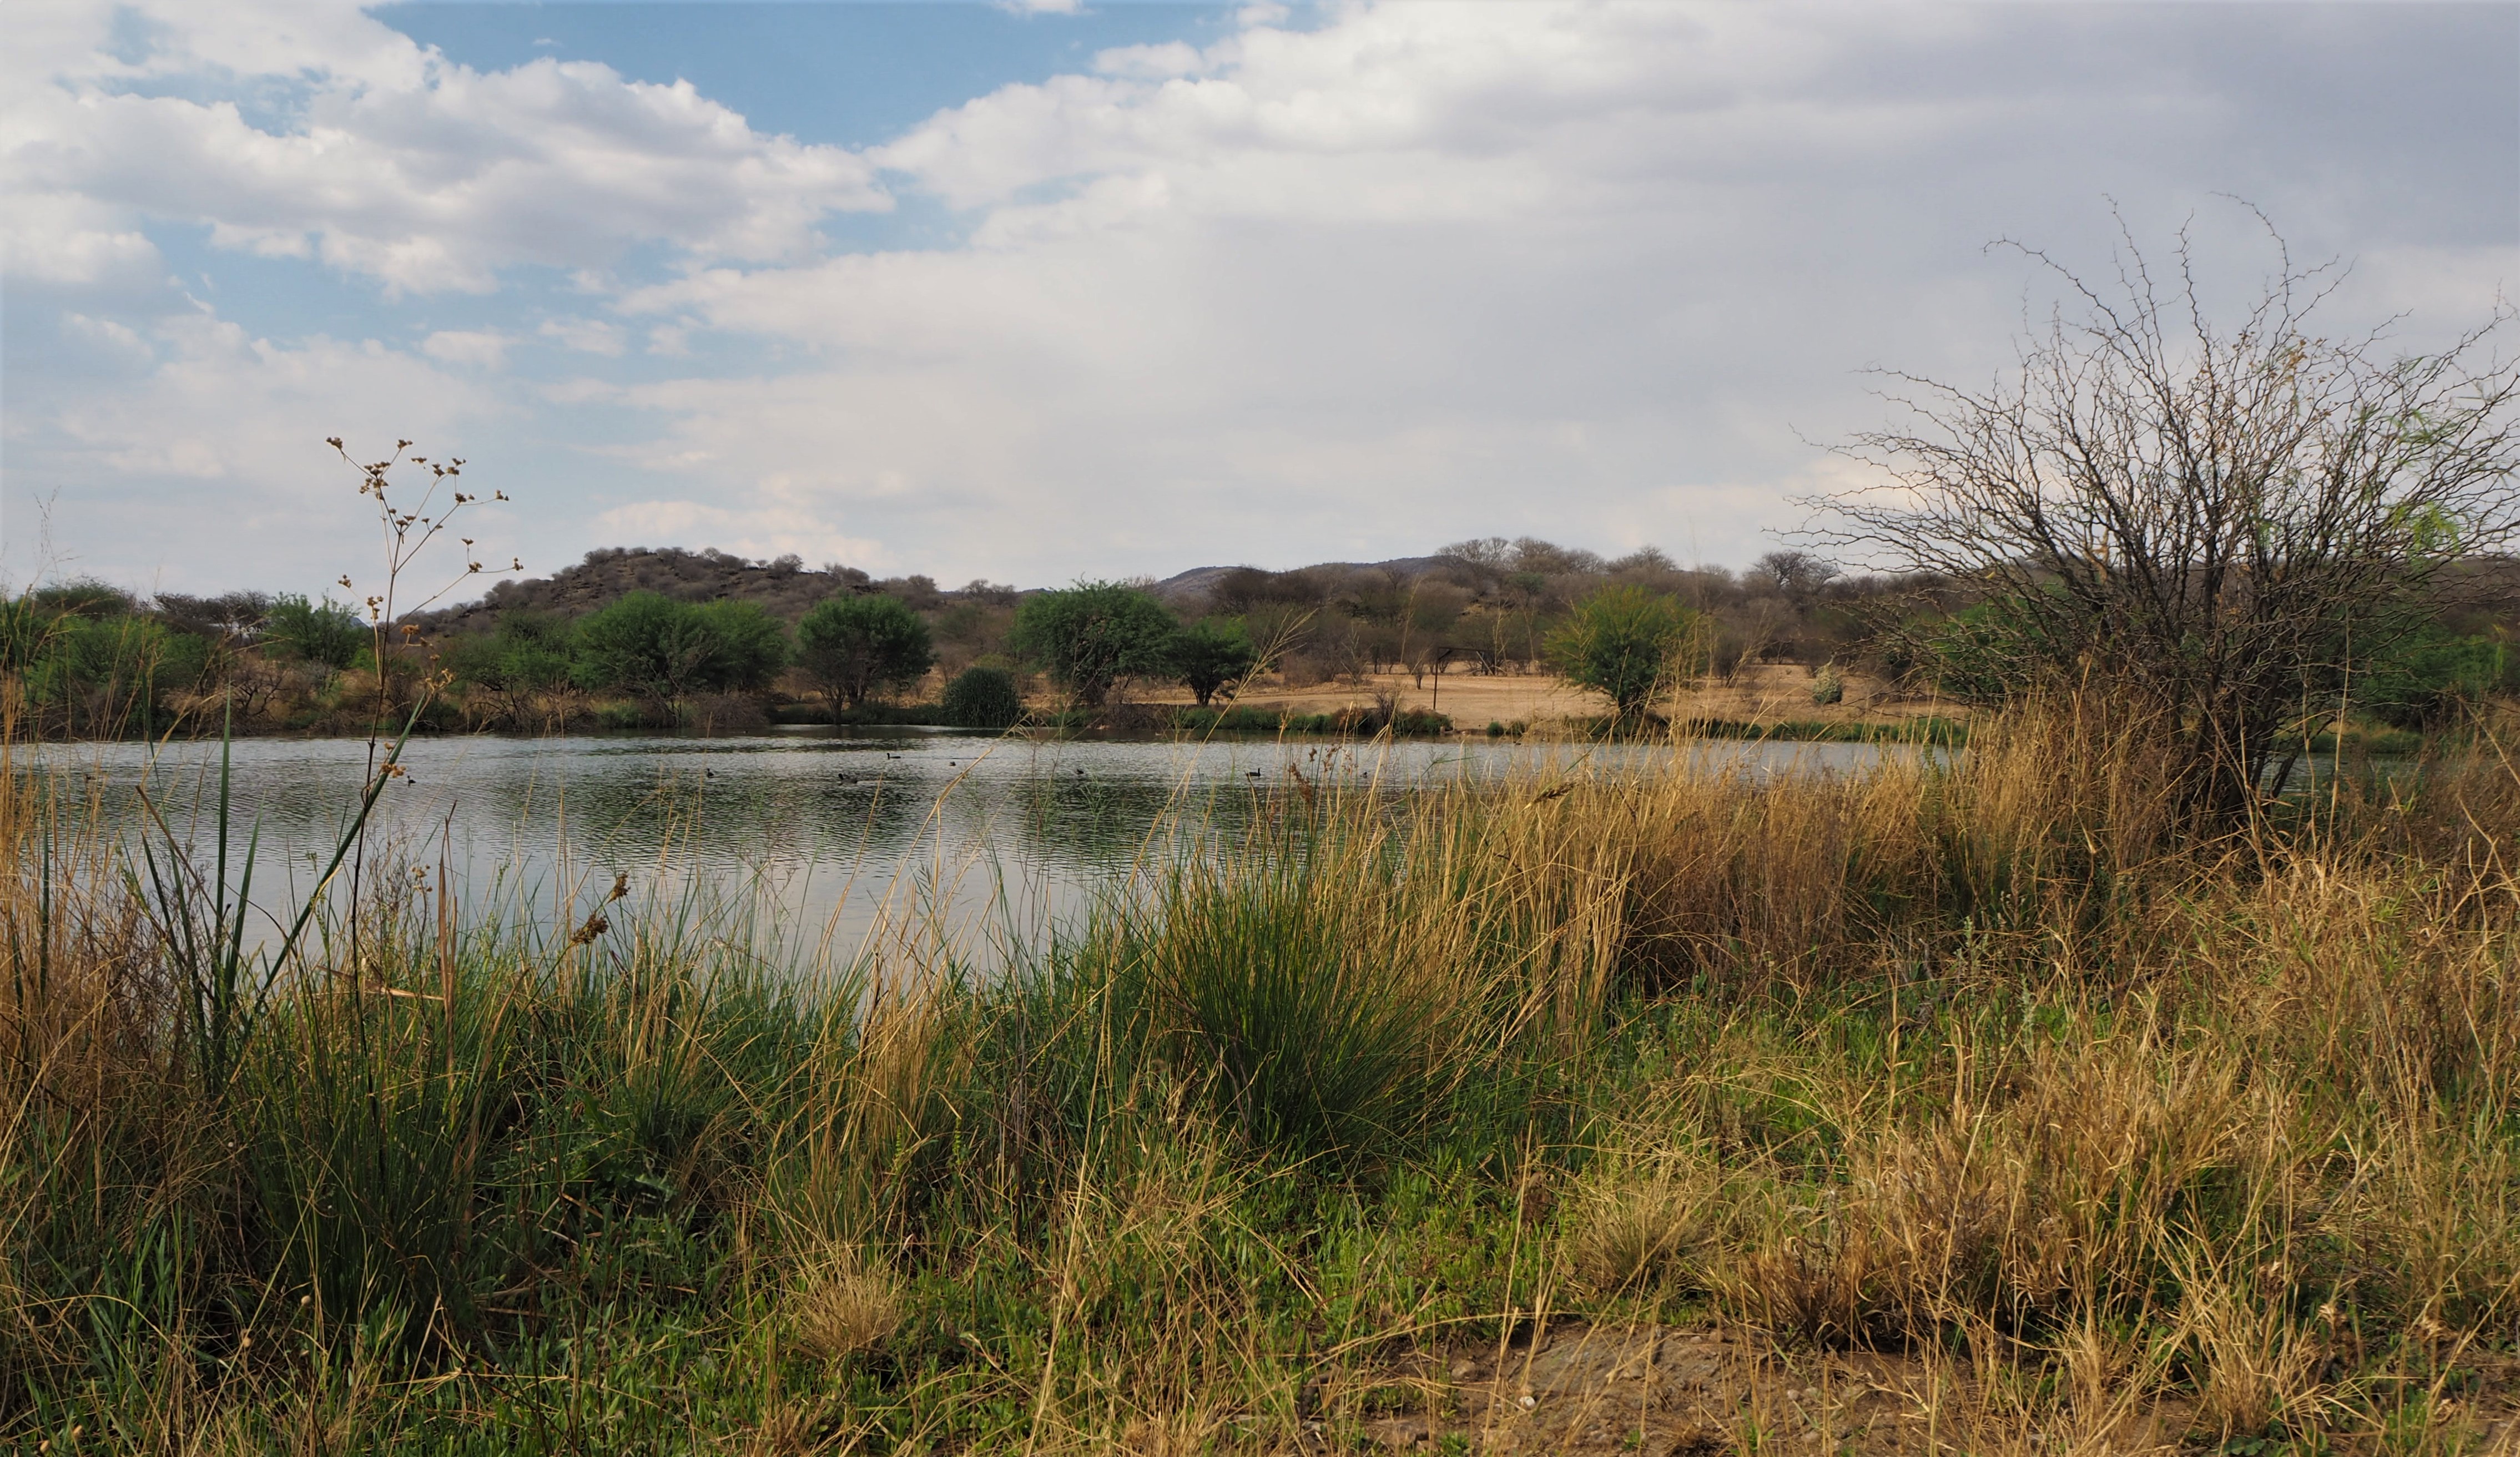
point(1974, 1059)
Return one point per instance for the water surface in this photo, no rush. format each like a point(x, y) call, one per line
point(839, 834)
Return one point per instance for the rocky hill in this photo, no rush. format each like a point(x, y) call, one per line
point(785, 587)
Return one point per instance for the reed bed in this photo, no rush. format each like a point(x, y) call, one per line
point(1975, 1077)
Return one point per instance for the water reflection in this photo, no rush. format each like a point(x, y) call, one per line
point(837, 832)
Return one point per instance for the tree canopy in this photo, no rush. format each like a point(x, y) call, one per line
point(1093, 636)
point(663, 650)
point(856, 645)
point(2219, 524)
point(1211, 654)
point(1628, 643)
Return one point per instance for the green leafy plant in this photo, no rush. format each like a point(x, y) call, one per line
point(1630, 644)
point(322, 632)
point(1213, 656)
point(856, 645)
point(983, 698)
point(1093, 636)
point(665, 650)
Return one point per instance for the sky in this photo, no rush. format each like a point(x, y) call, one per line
point(1044, 292)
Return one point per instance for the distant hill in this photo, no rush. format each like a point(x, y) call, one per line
point(784, 587)
point(1194, 585)
point(787, 588)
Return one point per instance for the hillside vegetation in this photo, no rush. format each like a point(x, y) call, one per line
point(92, 660)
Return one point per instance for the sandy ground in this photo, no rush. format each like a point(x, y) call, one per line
point(1768, 693)
point(1666, 1391)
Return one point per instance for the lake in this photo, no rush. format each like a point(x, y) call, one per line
point(839, 836)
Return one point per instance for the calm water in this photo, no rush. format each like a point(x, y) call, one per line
point(839, 834)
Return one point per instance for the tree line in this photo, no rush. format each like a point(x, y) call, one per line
point(86, 658)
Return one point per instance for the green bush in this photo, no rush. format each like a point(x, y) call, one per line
point(112, 675)
point(1091, 636)
point(856, 645)
point(325, 634)
point(1828, 687)
point(527, 653)
point(983, 698)
point(1630, 644)
point(2428, 679)
point(1212, 654)
point(665, 650)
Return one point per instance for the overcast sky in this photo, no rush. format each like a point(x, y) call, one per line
point(1036, 294)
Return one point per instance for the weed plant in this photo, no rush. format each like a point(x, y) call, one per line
point(1975, 1063)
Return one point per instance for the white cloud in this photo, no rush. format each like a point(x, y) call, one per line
point(64, 239)
point(482, 349)
point(314, 132)
point(1429, 269)
point(211, 470)
point(1151, 63)
point(118, 336)
point(763, 531)
point(586, 336)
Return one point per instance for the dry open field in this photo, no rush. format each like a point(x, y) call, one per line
point(1766, 693)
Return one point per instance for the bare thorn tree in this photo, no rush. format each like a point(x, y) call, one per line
point(2217, 523)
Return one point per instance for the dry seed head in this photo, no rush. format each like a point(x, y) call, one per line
point(1638, 1228)
point(843, 1307)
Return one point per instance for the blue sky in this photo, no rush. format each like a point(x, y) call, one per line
point(1118, 289)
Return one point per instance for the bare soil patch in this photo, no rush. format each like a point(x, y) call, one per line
point(1766, 693)
point(1672, 1391)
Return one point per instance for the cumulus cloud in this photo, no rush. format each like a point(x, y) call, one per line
point(209, 469)
point(586, 336)
point(313, 131)
point(484, 348)
point(1596, 270)
point(1408, 273)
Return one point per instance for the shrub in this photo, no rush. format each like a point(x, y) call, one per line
point(325, 632)
point(666, 651)
point(1094, 635)
point(1828, 687)
point(1628, 643)
point(983, 698)
point(854, 646)
point(2428, 678)
point(1212, 654)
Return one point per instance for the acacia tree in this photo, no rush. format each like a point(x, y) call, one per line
point(665, 650)
point(1094, 635)
point(1628, 643)
point(1209, 656)
point(855, 645)
point(2219, 523)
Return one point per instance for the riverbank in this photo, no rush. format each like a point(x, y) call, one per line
point(1950, 1106)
